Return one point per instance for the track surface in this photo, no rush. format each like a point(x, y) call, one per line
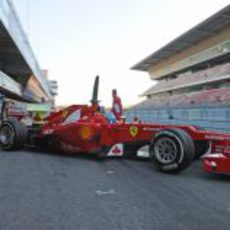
point(47, 191)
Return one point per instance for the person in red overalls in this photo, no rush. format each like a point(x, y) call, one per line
point(117, 109)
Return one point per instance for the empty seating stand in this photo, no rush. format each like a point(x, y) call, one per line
point(197, 78)
point(207, 108)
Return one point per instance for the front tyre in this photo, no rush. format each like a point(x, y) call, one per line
point(172, 150)
point(13, 135)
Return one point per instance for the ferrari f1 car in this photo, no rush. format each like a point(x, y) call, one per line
point(89, 129)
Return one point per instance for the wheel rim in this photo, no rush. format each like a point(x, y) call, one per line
point(165, 150)
point(6, 135)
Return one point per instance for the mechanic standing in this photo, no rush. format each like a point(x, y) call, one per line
point(117, 109)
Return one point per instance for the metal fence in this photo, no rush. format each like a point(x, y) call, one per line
point(213, 118)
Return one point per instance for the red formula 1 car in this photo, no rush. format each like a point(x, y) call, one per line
point(90, 130)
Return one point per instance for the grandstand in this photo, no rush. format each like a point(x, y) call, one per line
point(193, 78)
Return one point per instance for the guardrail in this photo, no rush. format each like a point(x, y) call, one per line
point(10, 20)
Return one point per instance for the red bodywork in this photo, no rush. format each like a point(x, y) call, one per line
point(90, 132)
point(216, 163)
point(217, 160)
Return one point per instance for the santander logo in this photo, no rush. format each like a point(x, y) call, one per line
point(116, 150)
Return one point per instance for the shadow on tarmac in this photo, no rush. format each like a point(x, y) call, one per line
point(195, 170)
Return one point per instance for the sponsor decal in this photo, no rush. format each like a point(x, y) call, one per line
point(222, 149)
point(48, 131)
point(217, 137)
point(133, 130)
point(69, 148)
point(169, 167)
point(86, 132)
point(151, 129)
point(213, 155)
point(116, 150)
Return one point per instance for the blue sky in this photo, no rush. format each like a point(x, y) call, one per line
point(76, 40)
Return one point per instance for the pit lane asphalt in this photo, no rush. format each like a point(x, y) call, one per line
point(49, 191)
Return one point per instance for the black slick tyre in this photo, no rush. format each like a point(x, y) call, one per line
point(13, 135)
point(172, 150)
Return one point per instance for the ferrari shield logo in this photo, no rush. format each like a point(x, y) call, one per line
point(133, 130)
point(86, 132)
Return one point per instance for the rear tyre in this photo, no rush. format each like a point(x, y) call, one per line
point(172, 150)
point(13, 135)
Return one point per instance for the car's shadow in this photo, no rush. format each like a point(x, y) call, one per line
point(217, 177)
point(196, 169)
point(51, 152)
point(81, 155)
